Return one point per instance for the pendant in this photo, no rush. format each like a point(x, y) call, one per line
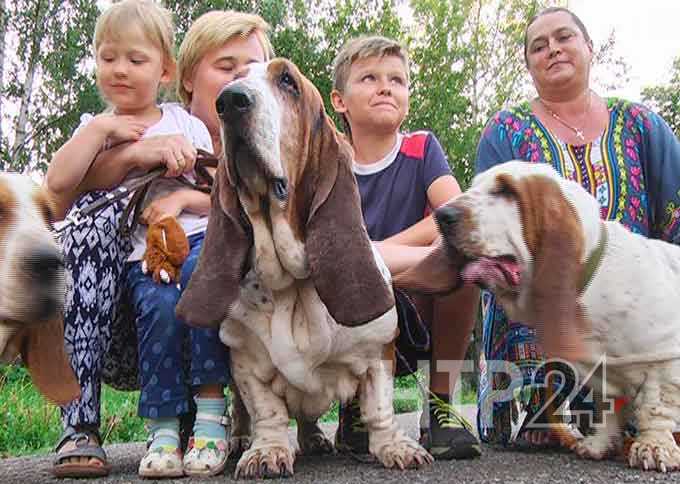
point(579, 134)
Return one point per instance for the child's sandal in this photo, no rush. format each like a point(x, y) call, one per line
point(163, 461)
point(206, 456)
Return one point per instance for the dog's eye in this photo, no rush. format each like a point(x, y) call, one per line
point(287, 82)
point(504, 189)
point(47, 213)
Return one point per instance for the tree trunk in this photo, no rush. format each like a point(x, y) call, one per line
point(27, 90)
point(3, 29)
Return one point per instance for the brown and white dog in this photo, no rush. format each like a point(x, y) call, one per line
point(591, 288)
point(32, 289)
point(287, 269)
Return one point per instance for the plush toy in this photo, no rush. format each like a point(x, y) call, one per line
point(167, 247)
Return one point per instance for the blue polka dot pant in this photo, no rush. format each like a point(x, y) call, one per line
point(164, 380)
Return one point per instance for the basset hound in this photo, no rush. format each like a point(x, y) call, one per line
point(288, 273)
point(591, 288)
point(32, 289)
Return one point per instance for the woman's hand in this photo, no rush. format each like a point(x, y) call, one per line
point(168, 206)
point(175, 152)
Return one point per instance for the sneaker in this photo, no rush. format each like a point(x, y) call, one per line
point(450, 443)
point(449, 435)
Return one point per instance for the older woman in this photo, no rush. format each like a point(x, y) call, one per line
point(216, 47)
point(621, 152)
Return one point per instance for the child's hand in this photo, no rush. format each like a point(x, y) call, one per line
point(121, 128)
point(168, 206)
point(175, 152)
point(126, 128)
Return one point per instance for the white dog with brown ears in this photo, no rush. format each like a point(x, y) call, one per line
point(590, 288)
point(32, 289)
point(288, 271)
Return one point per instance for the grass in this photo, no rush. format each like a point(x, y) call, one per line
point(30, 425)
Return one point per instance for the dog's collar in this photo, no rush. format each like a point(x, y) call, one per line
point(594, 259)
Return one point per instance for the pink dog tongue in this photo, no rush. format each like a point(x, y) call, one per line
point(491, 269)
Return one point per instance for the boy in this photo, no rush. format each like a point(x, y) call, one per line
point(402, 177)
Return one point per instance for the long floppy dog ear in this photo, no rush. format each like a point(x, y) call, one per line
point(437, 273)
point(554, 236)
point(340, 257)
point(42, 351)
point(214, 285)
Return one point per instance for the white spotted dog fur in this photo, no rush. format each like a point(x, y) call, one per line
point(499, 230)
point(32, 288)
point(290, 358)
point(312, 361)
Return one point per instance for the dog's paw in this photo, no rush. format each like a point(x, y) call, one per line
point(265, 462)
point(594, 447)
point(403, 453)
point(145, 267)
point(654, 451)
point(315, 443)
point(238, 444)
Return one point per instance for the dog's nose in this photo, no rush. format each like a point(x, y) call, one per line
point(235, 98)
point(44, 264)
point(448, 216)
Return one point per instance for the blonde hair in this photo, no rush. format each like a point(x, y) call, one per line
point(154, 21)
point(362, 48)
point(211, 31)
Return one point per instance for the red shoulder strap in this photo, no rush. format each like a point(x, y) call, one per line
point(413, 145)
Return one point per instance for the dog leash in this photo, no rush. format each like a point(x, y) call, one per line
point(138, 188)
point(425, 345)
point(134, 206)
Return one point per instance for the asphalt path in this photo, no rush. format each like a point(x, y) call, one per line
point(497, 465)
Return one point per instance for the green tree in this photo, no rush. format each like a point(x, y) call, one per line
point(315, 31)
point(50, 83)
point(468, 63)
point(3, 42)
point(610, 69)
point(665, 99)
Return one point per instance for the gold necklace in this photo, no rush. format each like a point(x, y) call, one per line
point(578, 132)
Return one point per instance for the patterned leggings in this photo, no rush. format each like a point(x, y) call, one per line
point(95, 256)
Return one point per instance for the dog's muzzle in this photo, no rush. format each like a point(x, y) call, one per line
point(235, 105)
point(44, 265)
point(36, 292)
point(234, 101)
point(448, 217)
